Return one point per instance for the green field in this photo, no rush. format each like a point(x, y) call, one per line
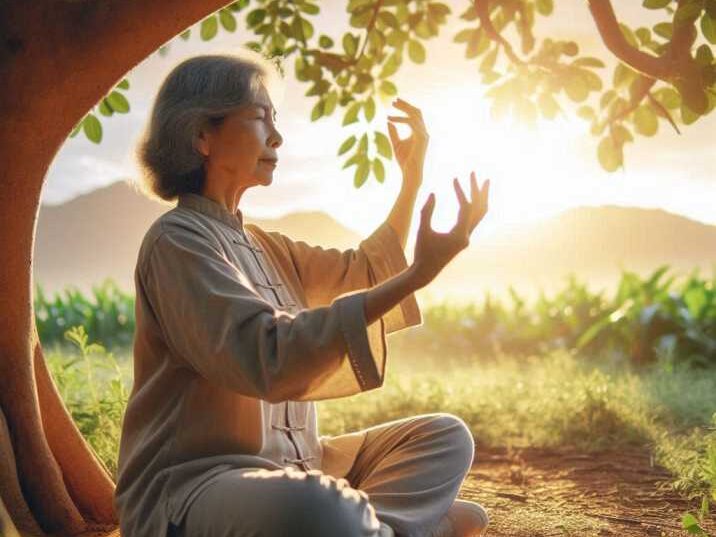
point(573, 371)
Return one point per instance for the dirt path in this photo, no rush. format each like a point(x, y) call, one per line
point(543, 493)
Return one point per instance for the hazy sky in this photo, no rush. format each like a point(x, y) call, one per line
point(534, 172)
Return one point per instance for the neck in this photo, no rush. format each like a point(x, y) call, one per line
point(227, 197)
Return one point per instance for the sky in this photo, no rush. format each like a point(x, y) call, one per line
point(534, 172)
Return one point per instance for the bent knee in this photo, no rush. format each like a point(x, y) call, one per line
point(460, 436)
point(324, 506)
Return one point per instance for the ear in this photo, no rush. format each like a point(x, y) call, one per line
point(201, 143)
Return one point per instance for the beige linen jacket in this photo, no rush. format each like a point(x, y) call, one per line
point(238, 332)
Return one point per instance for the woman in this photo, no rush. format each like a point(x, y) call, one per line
point(239, 331)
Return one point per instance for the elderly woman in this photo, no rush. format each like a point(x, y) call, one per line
point(240, 330)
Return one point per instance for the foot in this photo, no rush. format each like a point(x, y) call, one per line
point(469, 519)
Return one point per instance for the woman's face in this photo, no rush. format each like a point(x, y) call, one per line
point(242, 151)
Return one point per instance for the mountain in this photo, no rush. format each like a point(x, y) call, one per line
point(97, 235)
point(594, 243)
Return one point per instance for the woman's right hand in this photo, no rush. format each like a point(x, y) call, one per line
point(435, 250)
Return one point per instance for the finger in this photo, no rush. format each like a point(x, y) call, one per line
point(460, 194)
point(407, 107)
point(463, 215)
point(415, 123)
point(474, 192)
point(484, 194)
point(393, 133)
point(426, 213)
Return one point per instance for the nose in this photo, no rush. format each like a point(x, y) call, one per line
point(276, 139)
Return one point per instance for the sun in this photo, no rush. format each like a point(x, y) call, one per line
point(535, 171)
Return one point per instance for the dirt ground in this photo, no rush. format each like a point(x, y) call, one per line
point(543, 493)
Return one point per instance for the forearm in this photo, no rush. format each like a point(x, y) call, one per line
point(383, 297)
point(402, 212)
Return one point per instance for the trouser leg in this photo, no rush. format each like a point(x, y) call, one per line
point(252, 502)
point(412, 470)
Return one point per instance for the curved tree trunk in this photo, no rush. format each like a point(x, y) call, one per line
point(57, 59)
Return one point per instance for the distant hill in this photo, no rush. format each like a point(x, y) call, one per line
point(97, 235)
point(595, 243)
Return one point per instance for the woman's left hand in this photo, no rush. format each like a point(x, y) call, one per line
point(410, 152)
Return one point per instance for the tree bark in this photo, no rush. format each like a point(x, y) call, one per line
point(57, 59)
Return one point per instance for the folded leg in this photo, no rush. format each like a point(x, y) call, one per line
point(412, 470)
point(252, 502)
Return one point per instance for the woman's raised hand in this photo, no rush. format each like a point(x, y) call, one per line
point(435, 250)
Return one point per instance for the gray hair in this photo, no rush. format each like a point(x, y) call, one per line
point(198, 93)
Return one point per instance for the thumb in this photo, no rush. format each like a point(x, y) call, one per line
point(393, 133)
point(426, 213)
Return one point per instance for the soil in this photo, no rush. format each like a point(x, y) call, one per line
point(557, 493)
point(549, 493)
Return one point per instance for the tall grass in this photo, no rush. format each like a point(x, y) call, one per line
point(656, 314)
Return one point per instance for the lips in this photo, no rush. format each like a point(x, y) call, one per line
point(270, 161)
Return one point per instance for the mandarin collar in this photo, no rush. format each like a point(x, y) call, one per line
point(211, 208)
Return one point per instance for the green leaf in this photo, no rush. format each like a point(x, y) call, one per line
point(708, 28)
point(363, 144)
point(325, 41)
point(664, 29)
point(607, 98)
point(645, 120)
point(378, 169)
point(227, 19)
point(104, 108)
point(488, 62)
point(311, 9)
point(347, 144)
point(463, 36)
point(388, 88)
point(588, 61)
point(621, 134)
point(416, 51)
point(704, 56)
point(390, 66)
point(307, 29)
point(548, 105)
point(690, 524)
point(124, 84)
point(255, 17)
point(644, 35)
point(623, 75)
point(544, 7)
point(383, 145)
point(669, 97)
point(687, 12)
point(609, 154)
point(369, 109)
point(576, 88)
point(656, 4)
point(209, 28)
point(351, 161)
point(586, 112)
point(185, 34)
point(688, 116)
point(92, 128)
point(317, 110)
point(350, 44)
point(361, 173)
point(118, 102)
point(351, 115)
point(331, 101)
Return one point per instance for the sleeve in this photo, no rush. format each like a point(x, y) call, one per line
point(213, 320)
point(326, 273)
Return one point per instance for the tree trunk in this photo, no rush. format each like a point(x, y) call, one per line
point(54, 67)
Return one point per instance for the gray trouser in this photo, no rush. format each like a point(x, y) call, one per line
point(404, 479)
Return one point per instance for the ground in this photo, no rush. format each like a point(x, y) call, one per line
point(550, 493)
point(544, 493)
